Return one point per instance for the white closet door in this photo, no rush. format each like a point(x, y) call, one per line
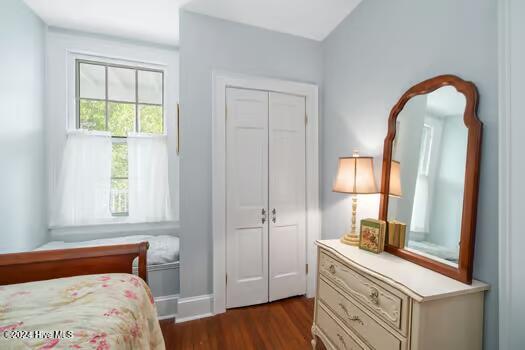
point(287, 197)
point(247, 197)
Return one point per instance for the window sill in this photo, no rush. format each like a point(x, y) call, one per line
point(88, 232)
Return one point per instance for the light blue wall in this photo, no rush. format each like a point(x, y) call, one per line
point(23, 216)
point(383, 48)
point(208, 44)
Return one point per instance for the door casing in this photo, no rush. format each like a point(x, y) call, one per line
point(222, 80)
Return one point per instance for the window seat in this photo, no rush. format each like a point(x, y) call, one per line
point(162, 249)
point(163, 265)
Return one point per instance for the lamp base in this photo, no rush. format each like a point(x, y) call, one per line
point(350, 239)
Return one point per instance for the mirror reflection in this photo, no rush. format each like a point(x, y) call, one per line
point(428, 173)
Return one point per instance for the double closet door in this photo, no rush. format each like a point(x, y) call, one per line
point(266, 197)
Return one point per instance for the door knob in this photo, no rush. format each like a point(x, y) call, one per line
point(274, 215)
point(263, 214)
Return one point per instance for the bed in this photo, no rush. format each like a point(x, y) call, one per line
point(83, 298)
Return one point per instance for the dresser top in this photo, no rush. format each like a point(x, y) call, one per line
point(418, 282)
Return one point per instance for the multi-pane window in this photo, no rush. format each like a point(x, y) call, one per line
point(119, 99)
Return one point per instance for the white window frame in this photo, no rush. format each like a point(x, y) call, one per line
point(118, 139)
point(72, 108)
point(118, 225)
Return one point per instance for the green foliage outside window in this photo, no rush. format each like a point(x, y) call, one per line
point(119, 167)
point(151, 119)
point(121, 118)
point(93, 115)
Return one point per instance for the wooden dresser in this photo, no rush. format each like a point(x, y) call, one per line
point(379, 301)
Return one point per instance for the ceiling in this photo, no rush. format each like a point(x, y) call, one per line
point(158, 20)
point(313, 19)
point(149, 20)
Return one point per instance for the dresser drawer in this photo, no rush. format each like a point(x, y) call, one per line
point(337, 336)
point(390, 305)
point(369, 330)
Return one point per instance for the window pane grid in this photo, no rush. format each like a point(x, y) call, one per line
point(118, 101)
point(115, 115)
point(137, 122)
point(107, 95)
point(138, 103)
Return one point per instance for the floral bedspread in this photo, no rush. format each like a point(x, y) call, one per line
point(102, 312)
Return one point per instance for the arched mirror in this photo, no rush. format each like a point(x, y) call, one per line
point(429, 185)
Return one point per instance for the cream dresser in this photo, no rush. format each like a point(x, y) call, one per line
point(379, 301)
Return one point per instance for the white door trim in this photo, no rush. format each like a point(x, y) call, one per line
point(504, 176)
point(222, 80)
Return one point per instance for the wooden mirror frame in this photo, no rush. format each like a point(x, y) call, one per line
point(463, 272)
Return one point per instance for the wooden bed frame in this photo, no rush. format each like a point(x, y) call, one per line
point(50, 264)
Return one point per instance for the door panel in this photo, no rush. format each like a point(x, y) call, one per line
point(247, 197)
point(284, 255)
point(287, 181)
point(249, 242)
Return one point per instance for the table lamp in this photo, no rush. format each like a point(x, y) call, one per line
point(355, 175)
point(395, 180)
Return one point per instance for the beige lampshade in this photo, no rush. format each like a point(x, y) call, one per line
point(355, 175)
point(395, 179)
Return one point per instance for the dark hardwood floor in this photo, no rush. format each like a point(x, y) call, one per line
point(284, 324)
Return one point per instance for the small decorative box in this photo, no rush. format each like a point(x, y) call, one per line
point(372, 236)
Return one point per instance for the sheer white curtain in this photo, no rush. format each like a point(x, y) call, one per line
point(84, 181)
point(149, 194)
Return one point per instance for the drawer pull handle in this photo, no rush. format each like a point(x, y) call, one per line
point(332, 269)
point(374, 296)
point(351, 317)
point(356, 319)
point(343, 307)
point(341, 339)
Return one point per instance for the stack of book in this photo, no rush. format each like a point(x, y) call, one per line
point(397, 233)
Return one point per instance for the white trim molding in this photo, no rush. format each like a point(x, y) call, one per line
point(511, 127)
point(504, 176)
point(167, 306)
point(193, 308)
point(222, 80)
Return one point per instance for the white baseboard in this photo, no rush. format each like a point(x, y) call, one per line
point(167, 317)
point(193, 308)
point(167, 306)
